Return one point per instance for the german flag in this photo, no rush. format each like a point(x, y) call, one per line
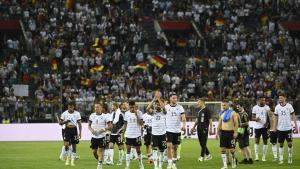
point(70, 4)
point(54, 65)
point(219, 22)
point(141, 66)
point(97, 69)
point(86, 82)
point(97, 40)
point(158, 61)
point(263, 19)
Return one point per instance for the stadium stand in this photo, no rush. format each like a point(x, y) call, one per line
point(114, 51)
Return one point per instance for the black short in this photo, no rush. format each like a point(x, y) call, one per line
point(243, 140)
point(62, 133)
point(285, 135)
point(71, 135)
point(97, 143)
point(261, 132)
point(134, 141)
point(147, 139)
point(159, 141)
point(226, 139)
point(107, 139)
point(174, 138)
point(273, 137)
point(116, 139)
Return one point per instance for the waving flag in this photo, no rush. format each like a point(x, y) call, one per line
point(158, 61)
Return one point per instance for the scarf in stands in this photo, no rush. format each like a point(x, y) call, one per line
point(115, 116)
point(227, 115)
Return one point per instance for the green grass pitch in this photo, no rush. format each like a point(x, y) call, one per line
point(44, 155)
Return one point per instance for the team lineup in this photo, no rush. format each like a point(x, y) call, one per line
point(161, 127)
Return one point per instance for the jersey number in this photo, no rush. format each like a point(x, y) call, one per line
point(173, 113)
point(157, 117)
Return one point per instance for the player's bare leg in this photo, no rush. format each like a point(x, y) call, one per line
point(256, 145)
point(233, 158)
point(95, 153)
point(169, 154)
point(224, 158)
point(100, 158)
point(290, 152)
point(73, 156)
point(121, 154)
point(128, 151)
point(68, 152)
point(140, 158)
point(265, 149)
point(174, 156)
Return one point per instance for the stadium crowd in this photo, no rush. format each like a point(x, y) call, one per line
point(90, 49)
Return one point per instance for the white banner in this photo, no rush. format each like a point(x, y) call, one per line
point(189, 134)
point(52, 132)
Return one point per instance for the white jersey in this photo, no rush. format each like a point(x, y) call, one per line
point(173, 118)
point(108, 117)
point(98, 122)
point(133, 129)
point(147, 118)
point(159, 124)
point(262, 113)
point(73, 117)
point(284, 116)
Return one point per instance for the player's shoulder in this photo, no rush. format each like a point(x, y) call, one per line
point(289, 105)
point(65, 112)
point(255, 107)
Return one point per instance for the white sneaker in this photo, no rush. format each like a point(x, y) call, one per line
point(178, 157)
point(209, 157)
point(119, 163)
point(72, 163)
point(280, 162)
point(256, 158)
point(290, 160)
point(174, 166)
point(200, 159)
point(224, 167)
point(99, 166)
point(233, 163)
point(263, 159)
point(110, 163)
point(67, 161)
point(169, 167)
point(61, 158)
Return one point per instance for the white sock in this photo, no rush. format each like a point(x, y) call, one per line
point(111, 155)
point(224, 159)
point(69, 153)
point(127, 160)
point(73, 157)
point(105, 155)
point(161, 159)
point(62, 152)
point(120, 155)
point(170, 162)
point(274, 150)
point(132, 152)
point(256, 149)
point(290, 152)
point(265, 150)
point(135, 154)
point(140, 158)
point(281, 153)
point(155, 159)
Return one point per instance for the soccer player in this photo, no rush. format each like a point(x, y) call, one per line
point(228, 132)
point(273, 133)
point(98, 124)
point(71, 119)
point(116, 136)
point(107, 158)
point(158, 130)
point(260, 115)
point(132, 125)
point(203, 121)
point(174, 116)
point(284, 113)
point(243, 135)
point(147, 119)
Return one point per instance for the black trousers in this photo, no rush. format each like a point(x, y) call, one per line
point(202, 137)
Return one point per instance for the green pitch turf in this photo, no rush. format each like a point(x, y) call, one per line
point(44, 155)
